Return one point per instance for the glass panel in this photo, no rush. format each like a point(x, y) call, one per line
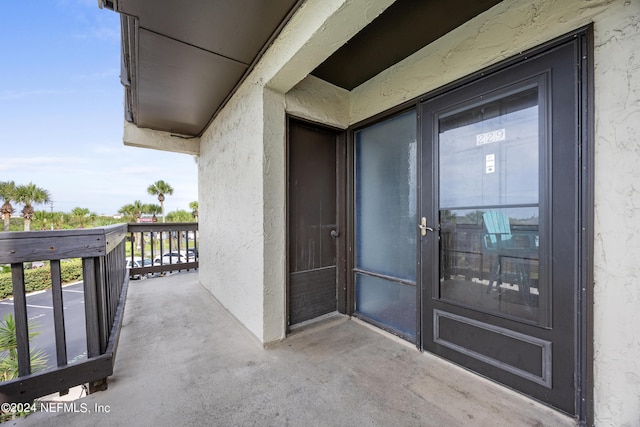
point(385, 215)
point(387, 302)
point(386, 197)
point(489, 210)
point(489, 154)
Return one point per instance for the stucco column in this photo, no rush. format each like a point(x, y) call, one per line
point(274, 215)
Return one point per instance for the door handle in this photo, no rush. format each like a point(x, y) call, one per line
point(334, 233)
point(423, 227)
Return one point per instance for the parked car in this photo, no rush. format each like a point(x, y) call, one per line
point(171, 258)
point(137, 263)
point(192, 254)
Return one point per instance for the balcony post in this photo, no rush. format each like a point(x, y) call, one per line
point(90, 268)
point(20, 310)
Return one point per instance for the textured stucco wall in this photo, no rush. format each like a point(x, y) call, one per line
point(316, 100)
point(156, 140)
point(230, 194)
point(241, 175)
point(501, 32)
point(274, 226)
point(318, 29)
point(617, 215)
point(242, 164)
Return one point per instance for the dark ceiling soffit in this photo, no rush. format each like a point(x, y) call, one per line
point(401, 30)
point(255, 61)
point(405, 27)
point(129, 61)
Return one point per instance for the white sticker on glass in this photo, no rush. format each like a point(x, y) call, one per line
point(489, 137)
point(490, 163)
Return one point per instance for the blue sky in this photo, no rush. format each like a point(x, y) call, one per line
point(61, 111)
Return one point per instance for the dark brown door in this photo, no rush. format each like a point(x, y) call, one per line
point(312, 221)
point(500, 225)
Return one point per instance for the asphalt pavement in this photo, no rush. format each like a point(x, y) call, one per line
point(40, 313)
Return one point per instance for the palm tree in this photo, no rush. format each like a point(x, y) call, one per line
point(127, 212)
point(133, 211)
point(7, 194)
point(82, 216)
point(44, 220)
point(180, 215)
point(153, 209)
point(9, 352)
point(194, 209)
point(160, 188)
point(28, 195)
point(138, 209)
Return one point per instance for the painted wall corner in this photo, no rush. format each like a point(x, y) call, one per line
point(318, 101)
point(135, 136)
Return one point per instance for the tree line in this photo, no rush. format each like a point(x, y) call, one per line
point(30, 195)
point(27, 195)
point(133, 212)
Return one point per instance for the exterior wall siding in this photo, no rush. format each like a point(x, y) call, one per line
point(230, 194)
point(617, 215)
point(241, 170)
point(274, 191)
point(242, 159)
point(316, 100)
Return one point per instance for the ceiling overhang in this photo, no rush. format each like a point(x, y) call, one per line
point(401, 30)
point(182, 61)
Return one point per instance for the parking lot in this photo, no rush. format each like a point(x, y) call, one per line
point(40, 315)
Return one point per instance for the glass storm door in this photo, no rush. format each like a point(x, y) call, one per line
point(499, 225)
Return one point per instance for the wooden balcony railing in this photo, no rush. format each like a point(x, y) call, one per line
point(102, 251)
point(106, 253)
point(156, 248)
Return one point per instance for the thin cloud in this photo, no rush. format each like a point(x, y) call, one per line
point(141, 170)
point(12, 96)
point(101, 33)
point(87, 3)
point(100, 75)
point(26, 163)
point(71, 3)
point(109, 149)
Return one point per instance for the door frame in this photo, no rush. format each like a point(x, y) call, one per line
point(341, 212)
point(584, 353)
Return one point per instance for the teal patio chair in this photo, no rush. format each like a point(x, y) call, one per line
point(498, 230)
point(499, 243)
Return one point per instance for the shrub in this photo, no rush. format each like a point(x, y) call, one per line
point(9, 359)
point(71, 270)
point(40, 278)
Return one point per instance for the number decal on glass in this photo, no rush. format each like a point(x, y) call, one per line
point(489, 137)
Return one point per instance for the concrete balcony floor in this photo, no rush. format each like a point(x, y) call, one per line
point(184, 360)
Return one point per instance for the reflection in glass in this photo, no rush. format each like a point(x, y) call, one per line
point(489, 209)
point(489, 154)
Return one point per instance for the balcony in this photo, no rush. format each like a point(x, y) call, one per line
point(105, 254)
point(184, 360)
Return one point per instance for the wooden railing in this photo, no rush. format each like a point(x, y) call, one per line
point(105, 282)
point(150, 245)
